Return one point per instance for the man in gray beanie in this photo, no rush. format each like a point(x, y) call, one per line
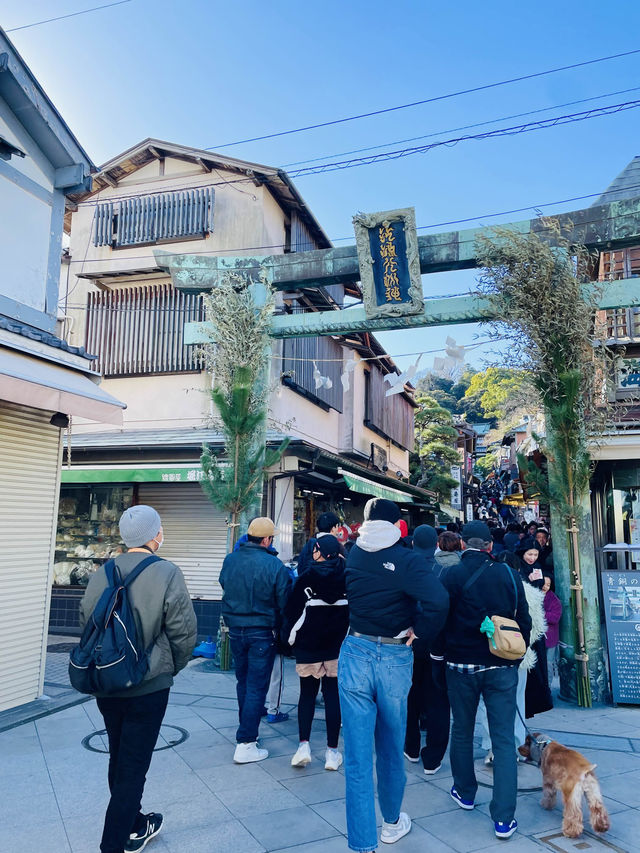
point(166, 623)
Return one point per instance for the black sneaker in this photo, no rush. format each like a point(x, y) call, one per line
point(138, 840)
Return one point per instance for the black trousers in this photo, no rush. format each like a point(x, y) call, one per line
point(426, 700)
point(132, 726)
point(307, 704)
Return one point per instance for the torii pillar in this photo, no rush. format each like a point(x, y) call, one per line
point(602, 227)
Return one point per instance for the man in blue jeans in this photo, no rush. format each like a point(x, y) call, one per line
point(256, 586)
point(479, 587)
point(392, 598)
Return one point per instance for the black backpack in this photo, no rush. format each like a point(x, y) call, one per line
point(109, 657)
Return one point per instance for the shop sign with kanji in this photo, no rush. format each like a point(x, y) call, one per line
point(389, 262)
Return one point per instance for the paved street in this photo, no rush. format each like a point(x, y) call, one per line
point(53, 790)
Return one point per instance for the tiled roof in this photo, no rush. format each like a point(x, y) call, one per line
point(189, 437)
point(626, 185)
point(33, 334)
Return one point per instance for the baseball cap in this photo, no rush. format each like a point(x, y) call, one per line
point(262, 527)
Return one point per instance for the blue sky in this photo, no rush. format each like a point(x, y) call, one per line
point(204, 73)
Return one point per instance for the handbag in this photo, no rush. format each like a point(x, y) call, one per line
point(506, 640)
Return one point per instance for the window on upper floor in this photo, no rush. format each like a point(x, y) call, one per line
point(391, 417)
point(136, 331)
point(623, 324)
point(145, 219)
point(301, 357)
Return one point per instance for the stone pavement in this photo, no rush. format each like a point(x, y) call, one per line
point(53, 790)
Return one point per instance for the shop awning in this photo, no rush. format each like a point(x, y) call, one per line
point(40, 384)
point(188, 473)
point(364, 486)
point(514, 500)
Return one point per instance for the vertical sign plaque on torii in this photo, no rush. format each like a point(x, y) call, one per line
point(389, 262)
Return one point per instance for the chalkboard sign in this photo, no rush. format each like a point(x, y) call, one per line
point(621, 594)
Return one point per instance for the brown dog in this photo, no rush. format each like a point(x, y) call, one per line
point(567, 771)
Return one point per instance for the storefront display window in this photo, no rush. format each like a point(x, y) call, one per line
point(88, 531)
point(623, 516)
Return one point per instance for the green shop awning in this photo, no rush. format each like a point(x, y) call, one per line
point(364, 486)
point(129, 474)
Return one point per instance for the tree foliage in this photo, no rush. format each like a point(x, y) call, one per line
point(497, 391)
point(436, 438)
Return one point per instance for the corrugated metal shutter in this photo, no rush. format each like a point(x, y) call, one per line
point(29, 473)
point(195, 534)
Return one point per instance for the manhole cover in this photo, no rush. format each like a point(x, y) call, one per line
point(169, 737)
point(529, 776)
point(586, 842)
point(61, 648)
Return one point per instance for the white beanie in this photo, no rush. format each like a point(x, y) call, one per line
point(138, 525)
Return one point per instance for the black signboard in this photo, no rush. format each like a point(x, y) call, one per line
point(621, 598)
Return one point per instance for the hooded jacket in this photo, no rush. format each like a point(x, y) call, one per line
point(391, 588)
point(163, 613)
point(316, 616)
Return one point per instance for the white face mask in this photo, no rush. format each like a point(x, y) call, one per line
point(160, 543)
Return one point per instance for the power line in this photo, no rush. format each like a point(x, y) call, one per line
point(464, 127)
point(432, 100)
point(534, 207)
point(543, 124)
point(70, 15)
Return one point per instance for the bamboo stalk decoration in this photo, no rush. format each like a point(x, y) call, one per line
point(534, 281)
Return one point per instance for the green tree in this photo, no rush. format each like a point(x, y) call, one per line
point(237, 358)
point(498, 392)
point(436, 439)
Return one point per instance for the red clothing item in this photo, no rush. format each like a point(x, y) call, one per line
point(552, 613)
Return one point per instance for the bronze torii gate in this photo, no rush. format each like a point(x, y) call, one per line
point(608, 226)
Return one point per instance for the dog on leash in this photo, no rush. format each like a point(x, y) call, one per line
point(571, 773)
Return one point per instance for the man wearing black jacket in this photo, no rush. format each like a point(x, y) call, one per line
point(392, 597)
point(481, 587)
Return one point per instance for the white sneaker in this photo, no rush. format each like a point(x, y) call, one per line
point(247, 752)
point(332, 759)
point(488, 759)
point(392, 832)
point(302, 756)
point(430, 772)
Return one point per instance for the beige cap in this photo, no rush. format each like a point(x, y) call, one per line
point(262, 527)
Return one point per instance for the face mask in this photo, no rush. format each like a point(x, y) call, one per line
point(160, 543)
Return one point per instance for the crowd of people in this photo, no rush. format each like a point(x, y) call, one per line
point(402, 634)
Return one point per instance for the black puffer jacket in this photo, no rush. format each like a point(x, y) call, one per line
point(491, 594)
point(386, 586)
point(316, 617)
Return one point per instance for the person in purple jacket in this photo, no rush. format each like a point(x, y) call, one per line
point(553, 614)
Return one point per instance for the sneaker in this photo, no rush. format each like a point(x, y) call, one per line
point(488, 759)
point(139, 840)
point(392, 832)
point(278, 717)
point(332, 759)
point(302, 756)
point(411, 758)
point(247, 752)
point(464, 804)
point(505, 830)
point(429, 772)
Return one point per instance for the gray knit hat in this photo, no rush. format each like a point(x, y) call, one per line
point(139, 525)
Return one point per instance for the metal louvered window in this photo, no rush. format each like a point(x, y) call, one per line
point(301, 356)
point(140, 330)
point(153, 218)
